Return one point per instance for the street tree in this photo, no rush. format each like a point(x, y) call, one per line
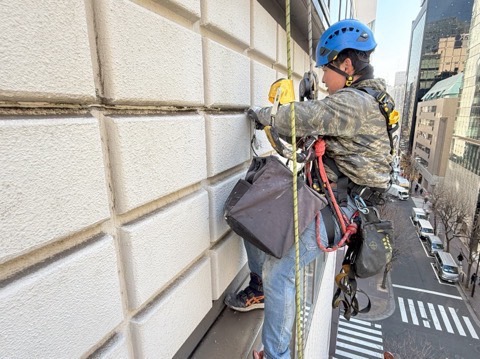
point(451, 208)
point(410, 345)
point(410, 171)
point(437, 196)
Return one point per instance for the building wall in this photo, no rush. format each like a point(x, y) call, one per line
point(453, 52)
point(464, 165)
point(398, 94)
point(122, 131)
point(433, 134)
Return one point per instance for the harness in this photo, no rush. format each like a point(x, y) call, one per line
point(344, 187)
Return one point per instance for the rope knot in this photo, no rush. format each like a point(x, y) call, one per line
point(352, 228)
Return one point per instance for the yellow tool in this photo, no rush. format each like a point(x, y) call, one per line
point(281, 92)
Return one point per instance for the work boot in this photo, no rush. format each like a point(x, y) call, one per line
point(249, 298)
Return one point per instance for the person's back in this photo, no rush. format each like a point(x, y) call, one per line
point(362, 151)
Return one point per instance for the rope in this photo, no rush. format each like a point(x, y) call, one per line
point(298, 284)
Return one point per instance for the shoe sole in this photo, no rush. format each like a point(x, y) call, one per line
point(249, 308)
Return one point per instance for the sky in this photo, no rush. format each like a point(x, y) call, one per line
point(392, 32)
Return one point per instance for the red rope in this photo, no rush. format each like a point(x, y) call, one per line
point(347, 230)
point(351, 229)
point(320, 147)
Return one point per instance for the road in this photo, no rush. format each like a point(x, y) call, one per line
point(430, 320)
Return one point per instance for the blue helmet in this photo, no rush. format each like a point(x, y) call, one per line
point(345, 34)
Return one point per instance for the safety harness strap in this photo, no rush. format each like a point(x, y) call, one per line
point(347, 285)
point(387, 108)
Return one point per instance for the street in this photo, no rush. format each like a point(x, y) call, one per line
point(430, 317)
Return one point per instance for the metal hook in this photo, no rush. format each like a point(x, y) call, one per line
point(362, 207)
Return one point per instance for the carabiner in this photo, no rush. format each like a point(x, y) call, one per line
point(362, 207)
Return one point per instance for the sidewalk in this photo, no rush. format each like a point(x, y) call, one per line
point(382, 300)
point(457, 246)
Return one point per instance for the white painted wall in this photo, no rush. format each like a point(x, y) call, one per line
point(122, 131)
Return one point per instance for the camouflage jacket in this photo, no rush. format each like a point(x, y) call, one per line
point(353, 127)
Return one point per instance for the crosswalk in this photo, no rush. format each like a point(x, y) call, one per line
point(358, 339)
point(435, 317)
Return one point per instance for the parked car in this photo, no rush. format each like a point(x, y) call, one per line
point(398, 191)
point(434, 244)
point(424, 229)
point(418, 213)
point(446, 267)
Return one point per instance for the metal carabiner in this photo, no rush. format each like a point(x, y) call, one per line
point(361, 206)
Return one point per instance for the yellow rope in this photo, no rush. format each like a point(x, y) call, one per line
point(298, 299)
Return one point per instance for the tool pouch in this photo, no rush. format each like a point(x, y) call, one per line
point(260, 207)
point(370, 249)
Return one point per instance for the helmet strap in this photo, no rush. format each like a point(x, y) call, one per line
point(349, 78)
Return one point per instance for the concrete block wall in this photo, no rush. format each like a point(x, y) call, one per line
point(122, 132)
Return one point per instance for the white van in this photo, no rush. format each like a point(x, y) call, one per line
point(424, 229)
point(434, 244)
point(398, 191)
point(446, 267)
point(418, 213)
point(403, 182)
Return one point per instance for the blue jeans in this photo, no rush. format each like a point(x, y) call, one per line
point(278, 277)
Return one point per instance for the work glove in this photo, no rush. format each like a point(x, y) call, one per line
point(252, 114)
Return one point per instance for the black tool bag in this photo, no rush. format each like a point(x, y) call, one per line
point(371, 248)
point(260, 208)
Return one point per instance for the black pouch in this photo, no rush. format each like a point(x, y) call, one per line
point(260, 208)
point(371, 248)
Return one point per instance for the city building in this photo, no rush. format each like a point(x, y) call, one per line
point(463, 173)
point(437, 49)
point(122, 132)
point(433, 133)
point(398, 94)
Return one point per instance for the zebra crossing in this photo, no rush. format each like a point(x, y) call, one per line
point(358, 339)
point(442, 318)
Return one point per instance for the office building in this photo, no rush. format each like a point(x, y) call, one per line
point(433, 133)
point(437, 50)
point(463, 173)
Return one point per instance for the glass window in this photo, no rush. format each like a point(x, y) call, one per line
point(343, 8)
point(334, 10)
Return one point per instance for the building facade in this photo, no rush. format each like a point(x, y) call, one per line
point(122, 132)
point(433, 133)
point(437, 42)
point(463, 172)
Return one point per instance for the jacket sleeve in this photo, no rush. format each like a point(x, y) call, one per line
point(338, 115)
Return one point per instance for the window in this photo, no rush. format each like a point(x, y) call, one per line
point(334, 10)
